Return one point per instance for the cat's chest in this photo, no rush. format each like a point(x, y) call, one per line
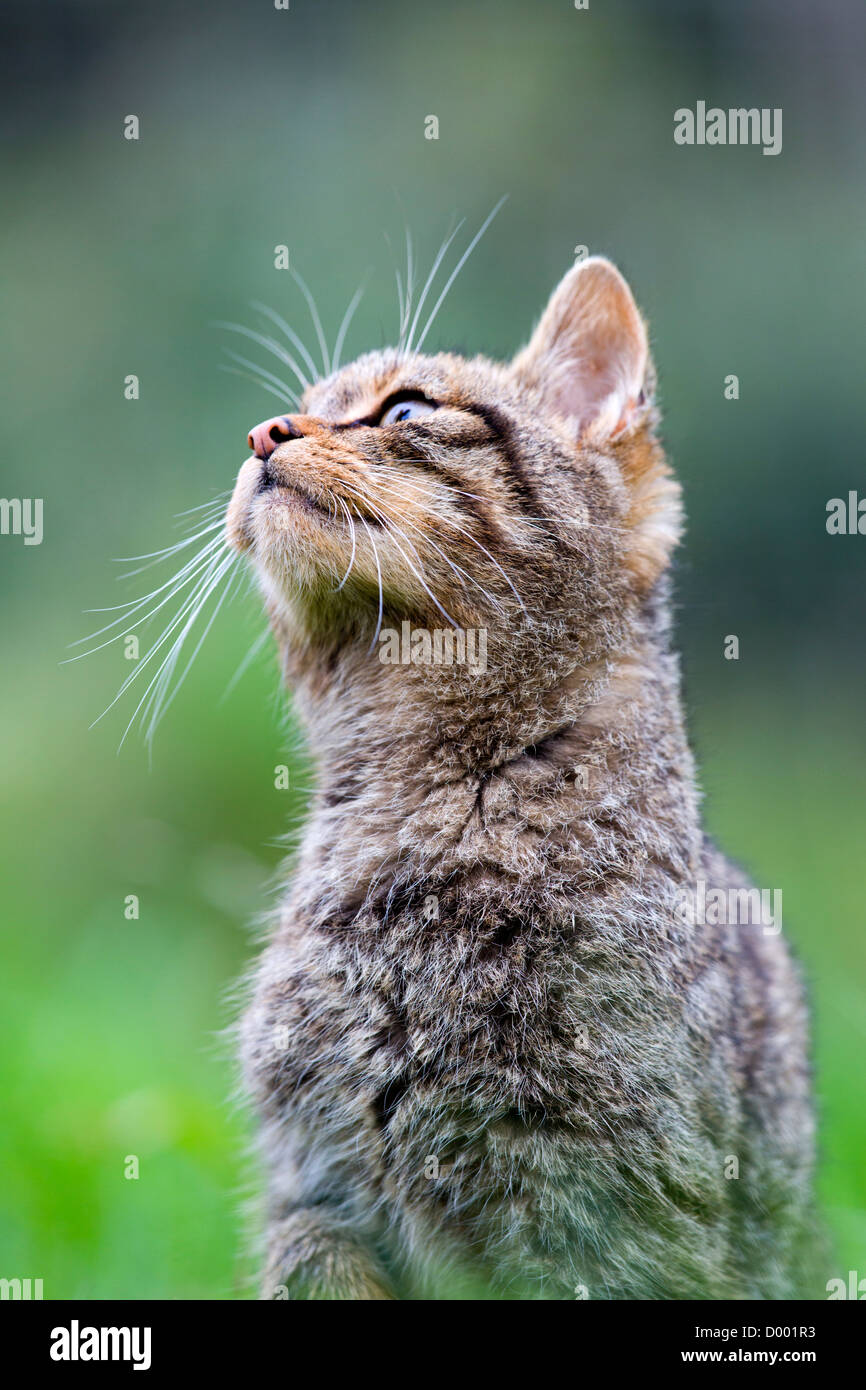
point(376, 1012)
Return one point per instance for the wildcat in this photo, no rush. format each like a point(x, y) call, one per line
point(490, 1054)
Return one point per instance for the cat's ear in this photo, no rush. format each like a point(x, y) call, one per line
point(589, 359)
point(589, 354)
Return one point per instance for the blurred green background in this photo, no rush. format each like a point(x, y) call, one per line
point(306, 127)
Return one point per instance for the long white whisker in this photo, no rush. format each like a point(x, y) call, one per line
point(456, 271)
point(462, 574)
point(379, 576)
point(188, 604)
point(410, 283)
point(449, 521)
point(246, 663)
point(163, 673)
point(317, 322)
point(401, 311)
point(393, 530)
point(270, 345)
point(429, 281)
point(177, 582)
point(161, 701)
point(448, 489)
point(262, 373)
point(190, 564)
point(282, 396)
point(188, 511)
point(294, 338)
point(344, 325)
point(157, 556)
point(352, 529)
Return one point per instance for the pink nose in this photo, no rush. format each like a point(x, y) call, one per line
point(264, 438)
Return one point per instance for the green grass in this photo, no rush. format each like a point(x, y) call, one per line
point(786, 795)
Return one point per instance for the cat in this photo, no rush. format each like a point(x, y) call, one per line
point(490, 1055)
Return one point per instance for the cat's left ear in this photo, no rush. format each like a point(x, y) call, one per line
point(589, 355)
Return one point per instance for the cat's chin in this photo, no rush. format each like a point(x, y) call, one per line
point(271, 515)
point(281, 511)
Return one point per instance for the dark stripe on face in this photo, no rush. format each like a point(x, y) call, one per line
point(502, 432)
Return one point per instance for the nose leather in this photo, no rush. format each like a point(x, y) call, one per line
point(264, 438)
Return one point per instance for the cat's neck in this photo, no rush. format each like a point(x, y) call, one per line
point(389, 716)
point(403, 779)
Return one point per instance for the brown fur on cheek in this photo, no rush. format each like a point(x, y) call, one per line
point(655, 514)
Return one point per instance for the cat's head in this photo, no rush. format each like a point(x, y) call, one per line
point(528, 499)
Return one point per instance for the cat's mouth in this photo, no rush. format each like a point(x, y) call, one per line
point(328, 505)
point(287, 489)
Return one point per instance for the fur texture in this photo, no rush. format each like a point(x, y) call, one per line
point(489, 1056)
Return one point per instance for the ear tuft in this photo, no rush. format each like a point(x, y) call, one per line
point(589, 354)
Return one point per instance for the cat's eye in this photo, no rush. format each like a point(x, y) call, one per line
point(401, 411)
